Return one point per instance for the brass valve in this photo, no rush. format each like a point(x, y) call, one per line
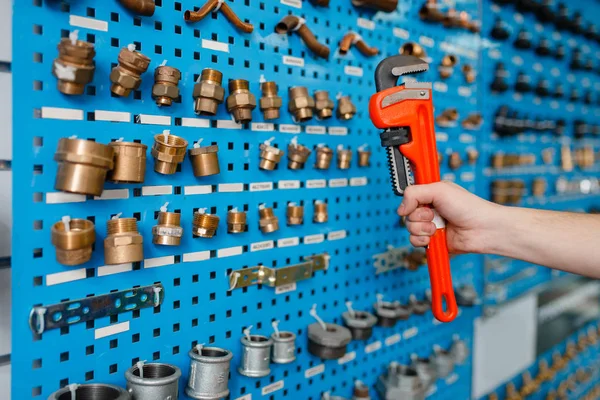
point(73, 239)
point(123, 243)
point(364, 156)
point(126, 76)
point(74, 67)
point(473, 121)
point(320, 214)
point(345, 109)
point(267, 222)
point(270, 102)
point(168, 151)
point(208, 93)
point(240, 101)
point(472, 156)
point(297, 155)
point(344, 157)
point(205, 160)
point(130, 162)
point(141, 7)
point(82, 166)
point(168, 230)
point(324, 156)
point(301, 103)
point(446, 68)
point(415, 259)
point(165, 88)
point(529, 385)
point(545, 374)
point(539, 187)
point(236, 221)
point(295, 214)
point(323, 104)
point(269, 156)
point(469, 73)
point(455, 161)
point(413, 49)
point(204, 225)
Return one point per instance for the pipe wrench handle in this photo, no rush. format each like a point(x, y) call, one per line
point(442, 292)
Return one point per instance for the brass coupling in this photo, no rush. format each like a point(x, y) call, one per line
point(82, 166)
point(297, 155)
point(345, 109)
point(380, 5)
point(320, 214)
point(168, 151)
point(291, 24)
point(448, 117)
point(267, 221)
point(344, 157)
point(165, 88)
point(415, 259)
point(473, 121)
point(364, 156)
point(270, 102)
point(324, 156)
point(211, 5)
point(73, 239)
point(126, 76)
point(538, 187)
point(269, 156)
point(204, 225)
point(455, 161)
point(301, 104)
point(208, 92)
point(446, 67)
point(469, 73)
point(323, 104)
point(472, 156)
point(295, 214)
point(236, 221)
point(168, 230)
point(413, 49)
point(74, 67)
point(240, 101)
point(141, 7)
point(205, 160)
point(123, 243)
point(130, 162)
point(353, 38)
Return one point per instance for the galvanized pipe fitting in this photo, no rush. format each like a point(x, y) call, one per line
point(389, 313)
point(153, 381)
point(320, 214)
point(93, 391)
point(205, 160)
point(344, 157)
point(269, 156)
point(165, 88)
point(82, 166)
point(345, 109)
point(419, 307)
point(425, 370)
point(168, 231)
point(240, 101)
point(295, 214)
point(323, 104)
point(256, 356)
point(168, 151)
point(466, 295)
point(360, 324)
point(208, 93)
point(329, 343)
point(74, 67)
point(364, 157)
point(443, 361)
point(459, 351)
point(123, 243)
point(301, 104)
point(297, 155)
point(267, 222)
point(73, 246)
point(270, 102)
point(126, 76)
point(204, 225)
point(209, 373)
point(130, 162)
point(284, 347)
point(236, 221)
point(324, 156)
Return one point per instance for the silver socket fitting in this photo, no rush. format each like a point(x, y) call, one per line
point(466, 296)
point(153, 381)
point(329, 343)
point(92, 391)
point(360, 324)
point(209, 373)
point(425, 370)
point(400, 383)
point(256, 356)
point(419, 307)
point(459, 351)
point(284, 347)
point(443, 361)
point(389, 313)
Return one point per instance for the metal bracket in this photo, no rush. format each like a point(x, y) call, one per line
point(67, 313)
point(272, 277)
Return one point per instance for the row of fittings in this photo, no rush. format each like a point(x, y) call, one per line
point(508, 191)
point(509, 122)
point(456, 161)
point(582, 157)
point(450, 116)
point(501, 160)
point(359, 392)
point(446, 65)
point(452, 18)
point(578, 186)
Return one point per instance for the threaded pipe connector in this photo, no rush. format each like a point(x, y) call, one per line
point(130, 162)
point(205, 160)
point(269, 156)
point(123, 243)
point(301, 103)
point(126, 76)
point(323, 104)
point(267, 222)
point(205, 225)
point(324, 156)
point(297, 155)
point(236, 221)
point(74, 67)
point(208, 93)
point(165, 89)
point(320, 214)
point(270, 102)
point(73, 246)
point(344, 158)
point(240, 101)
point(168, 230)
point(168, 151)
point(295, 214)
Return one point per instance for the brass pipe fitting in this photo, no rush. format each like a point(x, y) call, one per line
point(74, 67)
point(208, 93)
point(447, 117)
point(82, 166)
point(236, 221)
point(270, 102)
point(455, 161)
point(269, 156)
point(539, 187)
point(74, 244)
point(267, 221)
point(345, 109)
point(240, 101)
point(165, 88)
point(323, 104)
point(297, 155)
point(364, 157)
point(295, 214)
point(123, 243)
point(141, 7)
point(168, 231)
point(320, 214)
point(344, 157)
point(353, 38)
point(324, 156)
point(130, 162)
point(529, 385)
point(168, 151)
point(380, 5)
point(204, 225)
point(566, 159)
point(473, 121)
point(301, 104)
point(320, 3)
point(205, 160)
point(126, 76)
point(472, 156)
point(413, 49)
point(545, 374)
point(195, 16)
point(291, 23)
point(447, 64)
point(431, 13)
point(469, 73)
point(415, 259)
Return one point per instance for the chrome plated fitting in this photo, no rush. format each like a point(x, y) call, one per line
point(153, 381)
point(297, 155)
point(208, 93)
point(320, 214)
point(168, 230)
point(74, 67)
point(130, 162)
point(256, 356)
point(168, 151)
point(301, 104)
point(126, 76)
point(209, 373)
point(295, 214)
point(240, 101)
point(165, 88)
point(345, 109)
point(324, 156)
point(236, 221)
point(344, 157)
point(270, 102)
point(323, 104)
point(284, 347)
point(123, 243)
point(329, 343)
point(360, 324)
point(204, 225)
point(205, 160)
point(269, 156)
point(267, 222)
point(100, 391)
point(73, 239)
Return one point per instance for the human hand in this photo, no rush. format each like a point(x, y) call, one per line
point(468, 218)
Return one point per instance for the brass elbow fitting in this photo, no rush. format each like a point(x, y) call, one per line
point(195, 16)
point(269, 156)
point(413, 49)
point(267, 221)
point(324, 156)
point(454, 161)
point(469, 73)
point(447, 64)
point(141, 7)
point(236, 221)
point(165, 88)
point(73, 246)
point(205, 160)
point(323, 104)
point(364, 157)
point(344, 157)
point(74, 67)
point(297, 155)
point(204, 225)
point(295, 214)
point(208, 93)
point(380, 5)
point(240, 102)
point(168, 151)
point(130, 162)
point(123, 243)
point(345, 109)
point(82, 166)
point(320, 212)
point(126, 76)
point(352, 38)
point(270, 102)
point(168, 231)
point(291, 23)
point(301, 103)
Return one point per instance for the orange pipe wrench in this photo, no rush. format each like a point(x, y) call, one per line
point(405, 113)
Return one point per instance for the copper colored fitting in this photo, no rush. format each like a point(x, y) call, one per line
point(344, 157)
point(447, 117)
point(240, 101)
point(566, 159)
point(297, 155)
point(440, 157)
point(529, 385)
point(269, 156)
point(74, 67)
point(352, 38)
point(205, 160)
point(324, 156)
point(469, 73)
point(320, 214)
point(361, 391)
point(323, 104)
point(295, 214)
point(208, 93)
point(364, 157)
point(204, 225)
point(500, 191)
point(455, 162)
point(195, 16)
point(473, 121)
point(130, 162)
point(291, 24)
point(320, 3)
point(123, 243)
point(446, 67)
point(415, 259)
point(73, 247)
point(413, 49)
point(301, 104)
point(236, 221)
point(82, 166)
point(267, 222)
point(270, 102)
point(165, 88)
point(345, 109)
point(168, 231)
point(168, 151)
point(472, 156)
point(430, 12)
point(141, 7)
point(380, 5)
point(545, 374)
point(126, 76)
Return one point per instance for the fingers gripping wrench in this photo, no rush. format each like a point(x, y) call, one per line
point(405, 113)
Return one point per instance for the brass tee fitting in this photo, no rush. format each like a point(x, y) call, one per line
point(320, 212)
point(82, 166)
point(323, 104)
point(380, 5)
point(345, 109)
point(141, 7)
point(165, 88)
point(204, 225)
point(297, 155)
point(126, 76)
point(123, 243)
point(413, 49)
point(291, 23)
point(295, 214)
point(324, 156)
point(364, 157)
point(168, 151)
point(270, 102)
point(208, 93)
point(301, 103)
point(267, 221)
point(269, 156)
point(352, 38)
point(236, 221)
point(205, 160)
point(240, 101)
point(130, 162)
point(73, 246)
point(344, 157)
point(168, 231)
point(74, 67)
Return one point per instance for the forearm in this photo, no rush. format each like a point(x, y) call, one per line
point(566, 241)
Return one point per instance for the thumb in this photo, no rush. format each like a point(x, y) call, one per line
point(418, 195)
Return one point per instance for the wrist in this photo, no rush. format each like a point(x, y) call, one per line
point(495, 228)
